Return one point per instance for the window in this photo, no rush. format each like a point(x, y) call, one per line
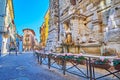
point(108, 2)
point(73, 2)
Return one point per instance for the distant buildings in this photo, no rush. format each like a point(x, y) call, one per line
point(19, 43)
point(28, 39)
point(36, 45)
point(7, 26)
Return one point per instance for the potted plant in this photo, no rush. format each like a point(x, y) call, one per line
point(80, 60)
point(65, 56)
point(68, 56)
point(116, 63)
point(102, 63)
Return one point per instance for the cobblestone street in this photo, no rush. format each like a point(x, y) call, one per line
point(25, 67)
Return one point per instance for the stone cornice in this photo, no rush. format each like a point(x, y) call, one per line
point(69, 16)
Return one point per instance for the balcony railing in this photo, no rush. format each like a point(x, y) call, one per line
point(3, 29)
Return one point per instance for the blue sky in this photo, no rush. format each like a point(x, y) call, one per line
point(29, 14)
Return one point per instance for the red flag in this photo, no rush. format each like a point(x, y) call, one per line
point(13, 21)
point(8, 27)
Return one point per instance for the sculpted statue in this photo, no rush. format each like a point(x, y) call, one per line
point(68, 39)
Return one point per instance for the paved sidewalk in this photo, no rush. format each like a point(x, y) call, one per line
point(25, 67)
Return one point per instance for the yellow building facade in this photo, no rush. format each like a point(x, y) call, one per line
point(46, 24)
point(44, 30)
point(10, 4)
point(42, 35)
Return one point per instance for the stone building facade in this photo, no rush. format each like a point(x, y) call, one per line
point(2, 15)
point(7, 28)
point(91, 26)
point(53, 26)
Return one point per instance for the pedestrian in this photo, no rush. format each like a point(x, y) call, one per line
point(20, 46)
point(0, 52)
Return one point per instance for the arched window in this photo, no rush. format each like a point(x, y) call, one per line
point(73, 2)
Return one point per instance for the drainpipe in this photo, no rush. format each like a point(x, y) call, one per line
point(58, 21)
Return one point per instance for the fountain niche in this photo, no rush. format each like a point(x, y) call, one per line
point(79, 38)
point(87, 34)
